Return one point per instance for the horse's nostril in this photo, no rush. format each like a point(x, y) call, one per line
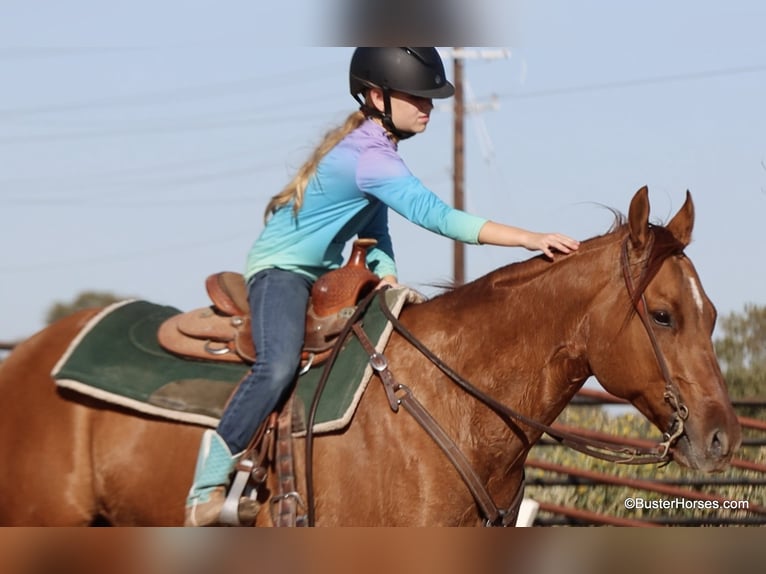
point(719, 443)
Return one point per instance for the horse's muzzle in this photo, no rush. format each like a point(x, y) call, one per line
point(713, 453)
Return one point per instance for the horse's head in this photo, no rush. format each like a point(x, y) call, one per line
point(660, 356)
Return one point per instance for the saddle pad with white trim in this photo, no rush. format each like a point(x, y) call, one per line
point(116, 358)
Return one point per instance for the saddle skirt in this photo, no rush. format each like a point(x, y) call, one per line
point(222, 331)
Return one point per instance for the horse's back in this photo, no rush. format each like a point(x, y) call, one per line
point(61, 452)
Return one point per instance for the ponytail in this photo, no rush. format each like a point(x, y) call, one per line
point(293, 191)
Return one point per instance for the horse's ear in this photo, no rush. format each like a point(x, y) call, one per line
point(638, 218)
point(683, 222)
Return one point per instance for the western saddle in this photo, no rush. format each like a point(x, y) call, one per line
point(221, 331)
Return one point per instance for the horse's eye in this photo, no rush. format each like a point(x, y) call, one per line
point(662, 318)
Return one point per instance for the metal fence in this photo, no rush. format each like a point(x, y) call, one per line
point(736, 497)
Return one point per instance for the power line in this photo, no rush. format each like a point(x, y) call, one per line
point(39, 52)
point(179, 203)
point(639, 82)
point(154, 176)
point(158, 129)
point(243, 86)
point(119, 258)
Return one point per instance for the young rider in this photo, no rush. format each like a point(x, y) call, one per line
point(345, 189)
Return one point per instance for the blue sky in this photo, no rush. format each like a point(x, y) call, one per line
point(140, 141)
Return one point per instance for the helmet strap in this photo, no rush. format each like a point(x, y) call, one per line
point(384, 116)
point(388, 120)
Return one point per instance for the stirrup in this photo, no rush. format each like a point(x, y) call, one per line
point(240, 509)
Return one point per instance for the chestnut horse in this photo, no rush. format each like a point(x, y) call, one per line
point(627, 308)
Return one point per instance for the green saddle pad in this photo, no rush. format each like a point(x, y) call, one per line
point(117, 358)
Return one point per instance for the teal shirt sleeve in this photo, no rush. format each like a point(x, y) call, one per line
point(383, 175)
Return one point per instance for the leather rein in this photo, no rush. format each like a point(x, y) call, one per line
point(400, 395)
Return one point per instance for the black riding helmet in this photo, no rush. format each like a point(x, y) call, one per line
point(415, 71)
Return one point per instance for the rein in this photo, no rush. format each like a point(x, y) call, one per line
point(399, 394)
point(605, 450)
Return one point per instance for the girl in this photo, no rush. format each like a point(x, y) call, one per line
point(345, 189)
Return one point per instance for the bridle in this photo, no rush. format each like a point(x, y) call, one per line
point(400, 395)
point(671, 394)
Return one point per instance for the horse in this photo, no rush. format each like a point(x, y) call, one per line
point(627, 308)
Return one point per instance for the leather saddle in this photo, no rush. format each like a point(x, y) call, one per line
point(221, 331)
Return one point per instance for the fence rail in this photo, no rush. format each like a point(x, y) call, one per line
point(544, 477)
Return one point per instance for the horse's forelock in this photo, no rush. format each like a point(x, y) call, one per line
point(664, 246)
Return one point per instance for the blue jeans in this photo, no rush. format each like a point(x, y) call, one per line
point(278, 302)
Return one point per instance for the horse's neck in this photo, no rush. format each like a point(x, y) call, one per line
point(520, 333)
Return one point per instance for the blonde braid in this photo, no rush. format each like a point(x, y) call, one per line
point(294, 190)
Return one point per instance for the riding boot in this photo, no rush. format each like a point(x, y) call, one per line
point(215, 464)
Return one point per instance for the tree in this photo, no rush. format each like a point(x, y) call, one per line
point(742, 352)
point(85, 300)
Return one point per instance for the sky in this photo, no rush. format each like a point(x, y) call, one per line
point(140, 141)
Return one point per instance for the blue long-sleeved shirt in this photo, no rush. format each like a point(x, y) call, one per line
point(354, 185)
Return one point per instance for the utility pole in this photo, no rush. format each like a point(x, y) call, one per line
point(458, 163)
point(458, 159)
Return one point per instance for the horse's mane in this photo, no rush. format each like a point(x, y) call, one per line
point(663, 244)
